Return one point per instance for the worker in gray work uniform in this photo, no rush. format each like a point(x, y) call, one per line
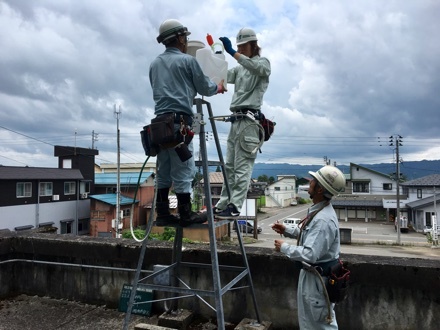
point(176, 78)
point(251, 79)
point(318, 248)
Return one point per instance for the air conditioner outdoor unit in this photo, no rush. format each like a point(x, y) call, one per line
point(55, 197)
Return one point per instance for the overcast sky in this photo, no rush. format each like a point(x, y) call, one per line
point(346, 75)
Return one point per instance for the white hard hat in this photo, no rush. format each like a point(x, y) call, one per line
point(331, 178)
point(245, 35)
point(171, 28)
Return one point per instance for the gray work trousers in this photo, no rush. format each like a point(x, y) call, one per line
point(241, 152)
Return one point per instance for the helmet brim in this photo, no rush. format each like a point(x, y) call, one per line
point(245, 41)
point(324, 183)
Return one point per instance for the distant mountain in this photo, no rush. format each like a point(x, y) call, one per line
point(410, 170)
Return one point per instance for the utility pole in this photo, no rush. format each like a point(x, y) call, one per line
point(117, 114)
point(434, 230)
point(397, 219)
point(94, 138)
point(75, 142)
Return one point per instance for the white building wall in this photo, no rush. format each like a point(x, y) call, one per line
point(282, 196)
point(376, 181)
point(34, 214)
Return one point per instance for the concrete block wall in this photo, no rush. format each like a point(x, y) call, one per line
point(385, 293)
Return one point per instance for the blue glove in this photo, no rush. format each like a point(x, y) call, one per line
point(228, 46)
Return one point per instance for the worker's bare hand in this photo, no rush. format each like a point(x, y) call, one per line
point(278, 243)
point(279, 228)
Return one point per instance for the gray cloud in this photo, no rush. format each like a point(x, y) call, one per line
point(344, 74)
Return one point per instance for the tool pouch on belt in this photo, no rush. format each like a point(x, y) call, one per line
point(162, 131)
point(338, 282)
point(268, 127)
point(149, 148)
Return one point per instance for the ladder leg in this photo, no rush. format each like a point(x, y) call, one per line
point(212, 239)
point(177, 245)
point(140, 262)
point(208, 196)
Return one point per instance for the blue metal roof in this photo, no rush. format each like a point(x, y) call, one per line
point(126, 178)
point(111, 199)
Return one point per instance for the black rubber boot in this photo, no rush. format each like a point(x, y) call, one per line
point(164, 217)
point(187, 216)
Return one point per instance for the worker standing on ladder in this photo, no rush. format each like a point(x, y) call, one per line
point(176, 78)
point(317, 250)
point(251, 79)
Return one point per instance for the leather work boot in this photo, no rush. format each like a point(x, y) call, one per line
point(188, 217)
point(164, 217)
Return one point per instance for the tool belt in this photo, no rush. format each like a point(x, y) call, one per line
point(323, 268)
point(338, 278)
point(162, 132)
point(245, 113)
point(268, 125)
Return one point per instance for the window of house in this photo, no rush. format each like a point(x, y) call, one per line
point(126, 212)
point(67, 163)
point(419, 193)
point(46, 189)
point(387, 186)
point(69, 188)
point(216, 190)
point(361, 187)
point(84, 187)
point(277, 188)
point(24, 189)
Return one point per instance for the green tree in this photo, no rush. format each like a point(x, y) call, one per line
point(263, 178)
point(271, 180)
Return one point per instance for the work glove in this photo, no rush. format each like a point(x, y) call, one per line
point(228, 46)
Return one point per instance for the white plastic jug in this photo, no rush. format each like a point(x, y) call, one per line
point(213, 65)
point(193, 46)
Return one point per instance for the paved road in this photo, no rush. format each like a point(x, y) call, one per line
point(367, 238)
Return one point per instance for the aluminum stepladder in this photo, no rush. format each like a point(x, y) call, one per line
point(178, 287)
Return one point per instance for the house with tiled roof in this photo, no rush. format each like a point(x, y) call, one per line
point(41, 197)
point(103, 214)
point(423, 200)
point(216, 183)
point(137, 192)
point(369, 195)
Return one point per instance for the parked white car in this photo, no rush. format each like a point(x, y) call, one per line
point(291, 222)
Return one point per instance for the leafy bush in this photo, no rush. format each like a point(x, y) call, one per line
point(302, 200)
point(168, 235)
point(139, 233)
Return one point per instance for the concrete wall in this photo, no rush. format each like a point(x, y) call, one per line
point(386, 293)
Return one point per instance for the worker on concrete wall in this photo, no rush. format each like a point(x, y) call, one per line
point(317, 249)
point(176, 78)
point(251, 79)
